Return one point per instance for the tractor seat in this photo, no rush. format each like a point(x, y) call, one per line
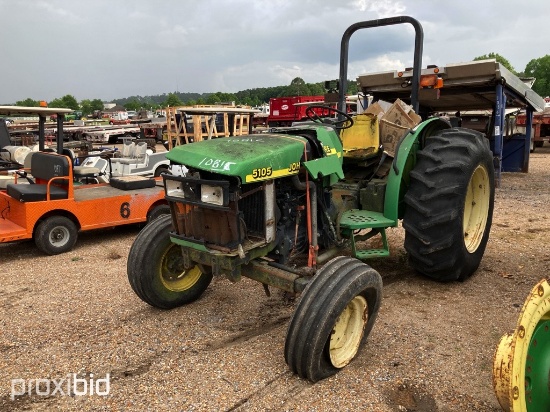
point(362, 139)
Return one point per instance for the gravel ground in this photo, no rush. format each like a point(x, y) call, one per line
point(431, 348)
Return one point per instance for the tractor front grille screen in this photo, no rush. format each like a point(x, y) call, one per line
point(212, 213)
point(204, 225)
point(253, 210)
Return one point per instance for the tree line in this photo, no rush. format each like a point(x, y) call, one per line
point(537, 68)
point(249, 97)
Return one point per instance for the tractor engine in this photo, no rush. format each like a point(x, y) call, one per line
point(292, 237)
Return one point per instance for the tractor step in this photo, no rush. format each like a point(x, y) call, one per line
point(364, 219)
point(371, 253)
point(354, 220)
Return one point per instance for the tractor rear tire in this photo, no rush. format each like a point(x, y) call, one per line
point(449, 205)
point(333, 319)
point(156, 272)
point(55, 235)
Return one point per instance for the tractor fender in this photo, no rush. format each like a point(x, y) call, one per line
point(404, 161)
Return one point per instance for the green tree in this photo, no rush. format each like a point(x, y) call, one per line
point(298, 87)
point(317, 89)
point(68, 101)
point(502, 60)
point(97, 104)
point(28, 102)
point(172, 100)
point(352, 88)
point(133, 105)
point(86, 106)
point(540, 69)
point(220, 97)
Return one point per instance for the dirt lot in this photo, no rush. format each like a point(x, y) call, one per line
point(431, 348)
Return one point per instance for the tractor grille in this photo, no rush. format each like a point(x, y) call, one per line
point(252, 206)
point(223, 225)
point(203, 225)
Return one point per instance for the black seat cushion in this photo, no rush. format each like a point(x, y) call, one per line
point(34, 192)
point(132, 182)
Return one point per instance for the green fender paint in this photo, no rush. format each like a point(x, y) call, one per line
point(331, 164)
point(405, 160)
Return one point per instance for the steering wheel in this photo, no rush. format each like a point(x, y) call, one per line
point(337, 124)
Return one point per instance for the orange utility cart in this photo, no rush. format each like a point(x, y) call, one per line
point(50, 208)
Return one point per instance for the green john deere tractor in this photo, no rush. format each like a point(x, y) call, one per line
point(286, 207)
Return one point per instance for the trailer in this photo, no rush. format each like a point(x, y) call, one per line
point(476, 85)
point(541, 125)
point(283, 111)
point(111, 135)
point(152, 130)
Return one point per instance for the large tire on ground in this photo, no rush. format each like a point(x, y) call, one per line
point(521, 363)
point(157, 211)
point(55, 234)
point(539, 143)
point(449, 205)
point(333, 319)
point(156, 272)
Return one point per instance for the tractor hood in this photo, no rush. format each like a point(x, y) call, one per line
point(251, 157)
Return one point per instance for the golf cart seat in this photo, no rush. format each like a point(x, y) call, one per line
point(81, 172)
point(132, 153)
point(50, 172)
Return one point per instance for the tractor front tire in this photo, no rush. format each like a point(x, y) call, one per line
point(333, 319)
point(449, 205)
point(158, 211)
point(156, 272)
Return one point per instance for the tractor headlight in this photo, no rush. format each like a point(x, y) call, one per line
point(212, 194)
point(174, 188)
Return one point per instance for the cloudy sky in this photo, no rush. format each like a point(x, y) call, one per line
point(118, 48)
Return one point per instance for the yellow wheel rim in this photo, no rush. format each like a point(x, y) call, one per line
point(347, 333)
point(517, 354)
point(476, 208)
point(173, 275)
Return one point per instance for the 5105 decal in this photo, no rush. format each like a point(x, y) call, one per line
point(264, 173)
